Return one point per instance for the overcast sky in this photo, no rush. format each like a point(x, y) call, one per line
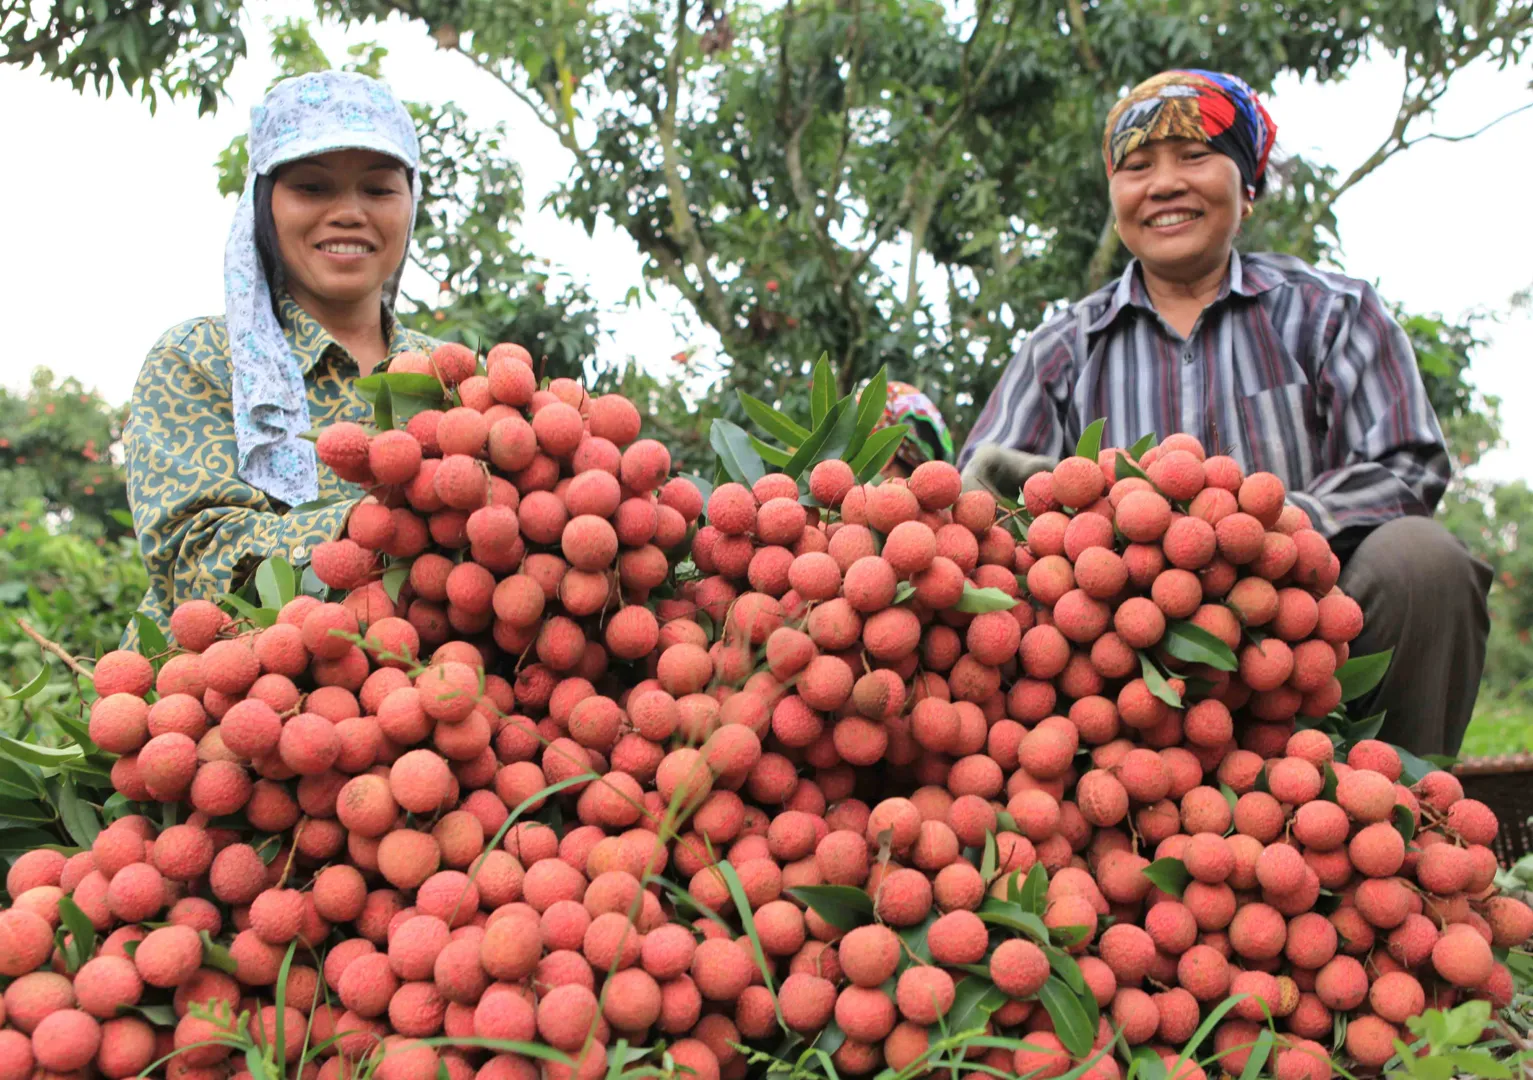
point(115, 230)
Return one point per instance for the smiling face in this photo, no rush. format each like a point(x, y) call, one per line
point(1179, 206)
point(343, 224)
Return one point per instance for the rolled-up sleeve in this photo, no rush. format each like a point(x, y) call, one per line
point(200, 527)
point(1384, 450)
point(1030, 406)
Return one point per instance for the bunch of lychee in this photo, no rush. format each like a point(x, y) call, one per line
point(555, 766)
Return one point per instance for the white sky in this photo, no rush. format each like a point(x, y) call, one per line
point(115, 229)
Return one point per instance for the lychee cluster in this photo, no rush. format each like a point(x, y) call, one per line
point(569, 777)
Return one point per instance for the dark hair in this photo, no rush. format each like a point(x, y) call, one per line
point(269, 252)
point(266, 239)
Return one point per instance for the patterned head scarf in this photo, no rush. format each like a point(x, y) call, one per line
point(1207, 106)
point(299, 118)
point(928, 438)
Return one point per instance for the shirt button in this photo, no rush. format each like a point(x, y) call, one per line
point(300, 551)
point(1187, 357)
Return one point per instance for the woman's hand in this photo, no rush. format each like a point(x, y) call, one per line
point(1003, 470)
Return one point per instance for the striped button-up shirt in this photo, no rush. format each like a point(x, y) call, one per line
point(1292, 371)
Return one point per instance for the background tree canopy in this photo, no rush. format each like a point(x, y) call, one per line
point(908, 182)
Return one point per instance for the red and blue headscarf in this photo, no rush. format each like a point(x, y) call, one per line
point(1206, 106)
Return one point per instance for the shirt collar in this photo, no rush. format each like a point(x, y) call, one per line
point(1245, 278)
point(310, 340)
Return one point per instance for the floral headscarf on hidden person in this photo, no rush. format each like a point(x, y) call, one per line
point(313, 114)
point(928, 438)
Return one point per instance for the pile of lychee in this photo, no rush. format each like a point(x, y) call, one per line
point(493, 790)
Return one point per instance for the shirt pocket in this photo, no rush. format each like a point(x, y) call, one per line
point(1281, 433)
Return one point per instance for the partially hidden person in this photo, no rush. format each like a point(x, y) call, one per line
point(1287, 368)
point(219, 471)
point(928, 438)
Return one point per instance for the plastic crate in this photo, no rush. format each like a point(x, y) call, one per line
point(1505, 784)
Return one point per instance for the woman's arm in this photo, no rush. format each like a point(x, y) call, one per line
point(200, 526)
point(1384, 448)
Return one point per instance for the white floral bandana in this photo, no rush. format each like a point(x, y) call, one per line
point(299, 118)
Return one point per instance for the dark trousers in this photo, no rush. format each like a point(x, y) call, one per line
point(1424, 595)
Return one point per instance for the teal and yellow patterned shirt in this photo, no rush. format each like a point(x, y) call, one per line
point(200, 526)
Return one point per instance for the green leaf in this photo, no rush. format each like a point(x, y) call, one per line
point(914, 938)
point(1004, 822)
point(1001, 913)
point(38, 755)
point(987, 864)
point(216, 956)
point(1123, 468)
point(836, 446)
point(16, 780)
point(1090, 444)
point(383, 408)
point(1074, 1026)
point(905, 591)
point(877, 451)
point(770, 454)
point(158, 1015)
point(1035, 890)
point(774, 423)
point(1145, 1064)
point(1361, 674)
point(33, 688)
point(1412, 768)
point(1064, 965)
point(1259, 1055)
point(1405, 823)
point(276, 583)
point(408, 383)
point(1168, 875)
point(1478, 1063)
point(736, 455)
point(822, 390)
point(979, 601)
point(1137, 451)
point(974, 999)
point(36, 811)
point(151, 642)
point(17, 841)
point(1188, 641)
point(77, 815)
point(262, 617)
point(1327, 790)
point(809, 452)
point(843, 906)
point(1367, 728)
point(1068, 936)
point(80, 928)
point(394, 579)
point(317, 504)
point(1157, 682)
point(743, 909)
point(870, 409)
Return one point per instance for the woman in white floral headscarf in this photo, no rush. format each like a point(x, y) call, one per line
point(218, 469)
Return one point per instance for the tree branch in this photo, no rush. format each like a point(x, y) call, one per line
point(683, 228)
point(1078, 31)
point(55, 648)
point(1477, 132)
point(1101, 259)
point(912, 185)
